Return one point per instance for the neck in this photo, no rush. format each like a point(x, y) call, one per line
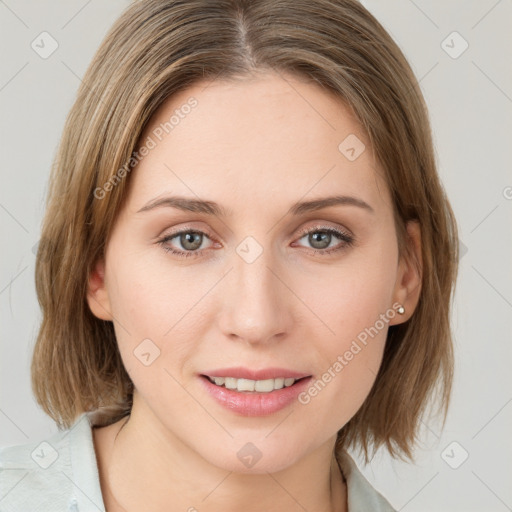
point(144, 466)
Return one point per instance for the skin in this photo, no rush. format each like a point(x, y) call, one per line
point(254, 146)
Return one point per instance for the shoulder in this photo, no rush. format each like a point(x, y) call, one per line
point(57, 474)
point(361, 495)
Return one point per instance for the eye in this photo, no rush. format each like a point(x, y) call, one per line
point(321, 237)
point(189, 240)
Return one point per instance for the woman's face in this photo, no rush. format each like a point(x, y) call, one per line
point(260, 278)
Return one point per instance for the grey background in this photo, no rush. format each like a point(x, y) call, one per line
point(470, 102)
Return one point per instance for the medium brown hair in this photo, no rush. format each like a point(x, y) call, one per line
point(159, 47)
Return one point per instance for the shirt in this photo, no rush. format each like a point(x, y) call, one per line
point(60, 474)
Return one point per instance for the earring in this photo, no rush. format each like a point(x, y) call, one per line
point(400, 310)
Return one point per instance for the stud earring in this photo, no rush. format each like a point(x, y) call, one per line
point(400, 310)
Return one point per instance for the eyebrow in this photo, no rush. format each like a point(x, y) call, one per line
point(212, 208)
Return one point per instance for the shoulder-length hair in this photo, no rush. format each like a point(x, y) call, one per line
point(159, 47)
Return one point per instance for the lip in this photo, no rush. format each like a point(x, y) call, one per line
point(251, 403)
point(240, 372)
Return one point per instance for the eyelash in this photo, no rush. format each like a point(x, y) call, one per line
point(345, 237)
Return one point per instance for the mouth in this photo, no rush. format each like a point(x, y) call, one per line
point(254, 386)
point(266, 392)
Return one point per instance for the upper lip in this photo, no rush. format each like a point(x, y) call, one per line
point(266, 373)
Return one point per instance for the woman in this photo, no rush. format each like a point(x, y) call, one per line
point(247, 266)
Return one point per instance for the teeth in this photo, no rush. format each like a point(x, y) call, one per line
point(261, 386)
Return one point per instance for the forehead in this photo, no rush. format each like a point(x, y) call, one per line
point(267, 138)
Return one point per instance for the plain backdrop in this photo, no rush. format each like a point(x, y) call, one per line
point(466, 467)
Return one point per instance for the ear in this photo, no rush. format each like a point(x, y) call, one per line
point(410, 269)
point(97, 294)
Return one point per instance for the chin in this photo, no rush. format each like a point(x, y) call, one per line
point(253, 457)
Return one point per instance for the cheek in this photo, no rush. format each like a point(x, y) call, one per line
point(351, 297)
point(356, 308)
point(149, 295)
point(147, 307)
point(161, 318)
point(350, 362)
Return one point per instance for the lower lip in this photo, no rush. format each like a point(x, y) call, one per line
point(248, 403)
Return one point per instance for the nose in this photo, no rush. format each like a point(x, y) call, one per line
point(256, 304)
